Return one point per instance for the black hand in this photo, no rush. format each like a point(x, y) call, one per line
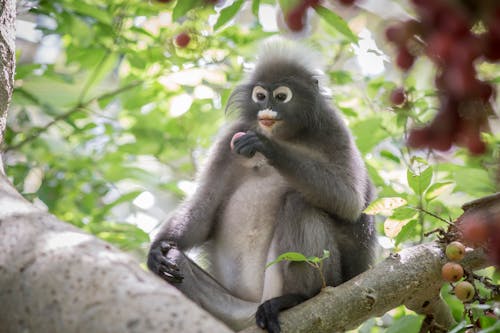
point(267, 317)
point(268, 312)
point(250, 143)
point(159, 263)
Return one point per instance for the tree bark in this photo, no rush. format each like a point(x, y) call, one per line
point(7, 61)
point(56, 278)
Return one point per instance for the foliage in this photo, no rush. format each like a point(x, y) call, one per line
point(121, 116)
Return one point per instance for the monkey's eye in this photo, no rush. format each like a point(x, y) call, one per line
point(259, 94)
point(282, 94)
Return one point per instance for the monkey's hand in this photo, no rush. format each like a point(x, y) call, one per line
point(250, 143)
point(161, 264)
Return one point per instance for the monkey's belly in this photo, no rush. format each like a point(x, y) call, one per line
point(244, 235)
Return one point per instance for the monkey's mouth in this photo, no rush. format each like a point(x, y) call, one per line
point(268, 122)
point(267, 118)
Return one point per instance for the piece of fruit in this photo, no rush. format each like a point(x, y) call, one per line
point(452, 272)
point(465, 291)
point(236, 136)
point(455, 251)
point(398, 96)
point(182, 39)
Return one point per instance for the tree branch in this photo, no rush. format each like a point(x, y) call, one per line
point(411, 277)
point(70, 112)
point(56, 278)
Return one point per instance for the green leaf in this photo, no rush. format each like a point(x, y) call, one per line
point(290, 256)
point(408, 231)
point(403, 213)
point(390, 156)
point(83, 8)
point(436, 189)
point(406, 324)
point(228, 13)
point(368, 133)
point(336, 22)
point(340, 77)
point(255, 7)
point(182, 7)
point(419, 183)
point(385, 206)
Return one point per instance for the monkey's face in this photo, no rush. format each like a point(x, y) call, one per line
point(281, 109)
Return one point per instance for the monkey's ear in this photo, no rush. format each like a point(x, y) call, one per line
point(239, 98)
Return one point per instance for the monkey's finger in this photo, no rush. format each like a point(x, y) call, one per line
point(168, 263)
point(166, 246)
point(172, 278)
point(171, 275)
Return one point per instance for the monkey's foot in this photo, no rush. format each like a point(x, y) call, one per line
point(161, 264)
point(267, 317)
point(267, 313)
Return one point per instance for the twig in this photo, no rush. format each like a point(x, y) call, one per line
point(68, 113)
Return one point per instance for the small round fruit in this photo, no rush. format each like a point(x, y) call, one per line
point(182, 39)
point(398, 96)
point(455, 251)
point(295, 18)
point(465, 291)
point(404, 59)
point(452, 272)
point(236, 136)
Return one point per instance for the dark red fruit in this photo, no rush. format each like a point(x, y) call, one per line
point(460, 80)
point(398, 96)
point(182, 39)
point(419, 137)
point(347, 2)
point(295, 18)
point(439, 47)
point(404, 59)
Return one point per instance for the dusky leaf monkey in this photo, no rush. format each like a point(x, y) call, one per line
point(284, 175)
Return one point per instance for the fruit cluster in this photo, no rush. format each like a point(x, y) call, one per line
point(452, 271)
point(446, 31)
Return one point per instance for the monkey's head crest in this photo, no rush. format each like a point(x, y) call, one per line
point(279, 50)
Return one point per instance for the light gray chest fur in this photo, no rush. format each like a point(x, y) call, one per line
point(246, 228)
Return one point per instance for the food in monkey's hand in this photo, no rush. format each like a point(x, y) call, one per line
point(236, 136)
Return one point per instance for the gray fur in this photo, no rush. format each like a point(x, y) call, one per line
point(299, 185)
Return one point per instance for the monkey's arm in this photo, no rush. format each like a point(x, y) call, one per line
point(192, 222)
point(335, 184)
point(203, 289)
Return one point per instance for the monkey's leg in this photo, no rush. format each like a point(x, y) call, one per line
point(203, 289)
point(305, 229)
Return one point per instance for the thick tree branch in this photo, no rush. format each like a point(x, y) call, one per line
point(56, 278)
point(411, 277)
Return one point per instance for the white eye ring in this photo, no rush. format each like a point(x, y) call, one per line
point(283, 94)
point(259, 94)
